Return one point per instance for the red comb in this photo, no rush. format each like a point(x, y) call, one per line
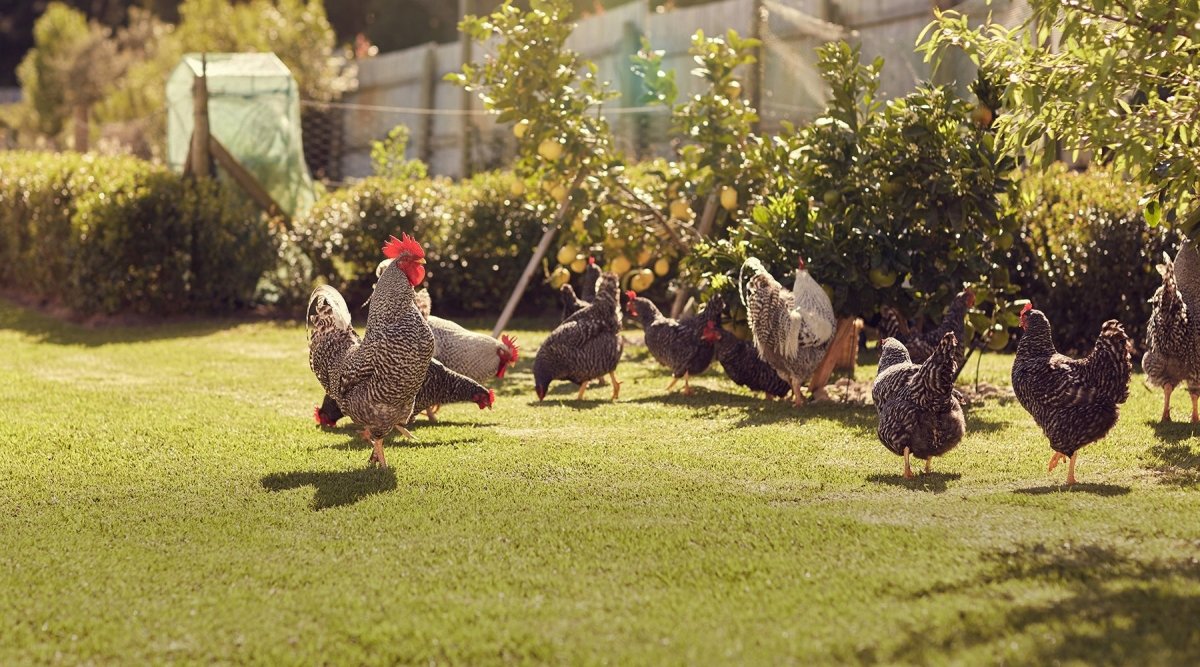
point(591, 261)
point(513, 349)
point(801, 264)
point(1028, 307)
point(630, 294)
point(401, 246)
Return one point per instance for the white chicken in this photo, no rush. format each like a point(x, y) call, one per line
point(792, 328)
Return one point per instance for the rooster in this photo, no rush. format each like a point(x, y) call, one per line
point(375, 379)
point(743, 365)
point(1074, 401)
point(921, 345)
point(920, 412)
point(441, 386)
point(676, 344)
point(792, 329)
point(1171, 342)
point(585, 347)
point(475, 355)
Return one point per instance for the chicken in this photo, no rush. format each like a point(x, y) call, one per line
point(585, 347)
point(792, 329)
point(375, 379)
point(921, 345)
point(743, 365)
point(920, 412)
point(1074, 401)
point(571, 304)
point(475, 355)
point(423, 303)
point(1172, 336)
point(678, 345)
point(441, 386)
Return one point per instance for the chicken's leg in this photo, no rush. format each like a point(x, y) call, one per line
point(1071, 470)
point(797, 394)
point(616, 385)
point(1167, 389)
point(376, 449)
point(404, 433)
point(1195, 398)
point(582, 388)
point(672, 385)
point(928, 463)
point(1053, 462)
point(908, 473)
point(430, 412)
point(687, 388)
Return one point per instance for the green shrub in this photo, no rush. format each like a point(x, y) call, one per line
point(1086, 253)
point(477, 238)
point(107, 235)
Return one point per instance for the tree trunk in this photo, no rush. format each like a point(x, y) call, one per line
point(81, 128)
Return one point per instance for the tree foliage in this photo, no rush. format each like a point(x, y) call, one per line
point(1115, 77)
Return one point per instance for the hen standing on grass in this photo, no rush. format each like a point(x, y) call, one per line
point(1172, 337)
point(374, 379)
point(1074, 401)
point(743, 365)
point(441, 386)
point(792, 329)
point(921, 345)
point(475, 355)
point(919, 412)
point(586, 346)
point(678, 345)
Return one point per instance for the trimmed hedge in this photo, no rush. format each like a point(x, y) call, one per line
point(1086, 253)
point(477, 238)
point(118, 234)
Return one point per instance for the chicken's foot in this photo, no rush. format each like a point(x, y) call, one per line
point(672, 385)
point(1054, 462)
point(431, 412)
point(1167, 389)
point(616, 385)
point(377, 456)
point(1071, 470)
point(798, 395)
point(687, 388)
point(582, 388)
point(908, 473)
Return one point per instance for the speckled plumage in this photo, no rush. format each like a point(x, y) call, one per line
point(475, 355)
point(921, 345)
point(676, 344)
point(441, 386)
point(1074, 401)
point(1172, 339)
point(374, 379)
point(586, 346)
point(743, 365)
point(792, 328)
point(571, 304)
point(917, 404)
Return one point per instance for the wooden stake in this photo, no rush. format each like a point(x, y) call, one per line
point(538, 253)
point(247, 181)
point(845, 328)
point(201, 160)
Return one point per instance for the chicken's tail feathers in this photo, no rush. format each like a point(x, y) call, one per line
point(755, 265)
point(1112, 361)
point(327, 309)
point(890, 324)
point(939, 370)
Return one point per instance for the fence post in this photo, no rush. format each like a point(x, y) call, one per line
point(201, 161)
point(428, 88)
point(464, 8)
point(758, 18)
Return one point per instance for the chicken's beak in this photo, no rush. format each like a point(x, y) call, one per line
point(421, 261)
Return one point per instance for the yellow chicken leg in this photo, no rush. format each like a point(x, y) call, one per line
point(928, 463)
point(1071, 470)
point(687, 388)
point(582, 388)
point(1167, 389)
point(672, 385)
point(908, 473)
point(377, 456)
point(1054, 462)
point(616, 385)
point(1195, 413)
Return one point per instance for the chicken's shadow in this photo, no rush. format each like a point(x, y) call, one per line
point(933, 482)
point(334, 488)
point(1094, 488)
point(357, 443)
point(1176, 464)
point(1174, 431)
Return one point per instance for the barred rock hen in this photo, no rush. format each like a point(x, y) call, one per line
point(585, 347)
point(921, 345)
point(1172, 341)
point(475, 355)
point(1074, 401)
point(743, 365)
point(375, 379)
point(571, 303)
point(676, 344)
point(919, 411)
point(441, 386)
point(792, 329)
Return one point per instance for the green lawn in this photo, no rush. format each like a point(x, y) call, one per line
point(166, 497)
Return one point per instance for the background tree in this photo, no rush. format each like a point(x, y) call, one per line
point(1115, 77)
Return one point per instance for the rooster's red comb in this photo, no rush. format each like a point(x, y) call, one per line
point(514, 350)
point(591, 261)
point(1028, 307)
point(630, 294)
point(405, 245)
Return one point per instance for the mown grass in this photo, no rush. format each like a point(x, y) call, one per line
point(166, 497)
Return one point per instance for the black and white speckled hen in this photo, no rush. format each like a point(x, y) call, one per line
point(571, 303)
point(374, 379)
point(441, 386)
point(475, 355)
point(1074, 401)
point(676, 344)
point(919, 410)
point(585, 347)
point(792, 328)
point(1172, 342)
point(921, 345)
point(743, 365)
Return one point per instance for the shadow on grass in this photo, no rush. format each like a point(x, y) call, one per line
point(357, 443)
point(47, 329)
point(1108, 490)
point(1176, 463)
point(1174, 431)
point(334, 488)
point(934, 482)
point(1107, 607)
